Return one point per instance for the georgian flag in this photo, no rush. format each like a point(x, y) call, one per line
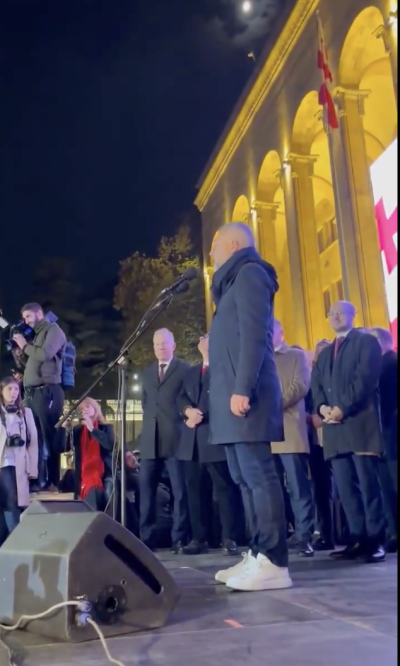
point(325, 97)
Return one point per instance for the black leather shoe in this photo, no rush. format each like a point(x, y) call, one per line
point(321, 545)
point(177, 548)
point(305, 549)
point(195, 548)
point(353, 552)
point(375, 555)
point(230, 548)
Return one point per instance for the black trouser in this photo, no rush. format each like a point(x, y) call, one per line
point(252, 467)
point(360, 492)
point(201, 480)
point(387, 470)
point(299, 488)
point(9, 499)
point(47, 404)
point(149, 477)
point(321, 473)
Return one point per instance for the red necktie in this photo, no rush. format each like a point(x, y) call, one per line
point(204, 368)
point(338, 344)
point(161, 373)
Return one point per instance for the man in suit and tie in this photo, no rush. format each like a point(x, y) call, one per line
point(162, 422)
point(202, 461)
point(345, 381)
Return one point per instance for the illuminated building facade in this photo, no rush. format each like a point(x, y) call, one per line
point(323, 206)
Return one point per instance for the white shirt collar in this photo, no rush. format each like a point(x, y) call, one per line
point(343, 334)
point(165, 364)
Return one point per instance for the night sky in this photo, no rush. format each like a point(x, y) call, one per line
point(109, 110)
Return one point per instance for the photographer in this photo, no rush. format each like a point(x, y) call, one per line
point(42, 359)
point(18, 454)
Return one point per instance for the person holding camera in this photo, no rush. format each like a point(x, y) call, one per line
point(18, 453)
point(43, 359)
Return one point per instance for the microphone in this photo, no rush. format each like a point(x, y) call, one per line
point(189, 274)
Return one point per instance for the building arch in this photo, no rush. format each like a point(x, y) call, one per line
point(272, 233)
point(310, 163)
point(241, 210)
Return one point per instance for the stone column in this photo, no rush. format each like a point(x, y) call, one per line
point(388, 34)
point(298, 308)
point(302, 170)
point(360, 235)
point(253, 224)
point(266, 217)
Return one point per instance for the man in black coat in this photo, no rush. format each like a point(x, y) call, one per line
point(246, 402)
point(389, 389)
point(159, 440)
point(202, 461)
point(345, 388)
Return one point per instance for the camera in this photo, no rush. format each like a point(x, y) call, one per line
point(14, 441)
point(22, 329)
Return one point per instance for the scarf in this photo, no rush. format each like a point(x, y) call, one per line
point(92, 466)
point(225, 276)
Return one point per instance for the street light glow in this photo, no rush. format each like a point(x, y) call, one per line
point(246, 7)
point(136, 388)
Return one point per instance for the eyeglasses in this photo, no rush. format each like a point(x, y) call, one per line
point(336, 314)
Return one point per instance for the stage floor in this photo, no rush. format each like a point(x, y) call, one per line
point(335, 615)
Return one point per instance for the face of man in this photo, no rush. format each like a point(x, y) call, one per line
point(32, 318)
point(222, 249)
point(164, 345)
point(278, 335)
point(203, 346)
point(341, 317)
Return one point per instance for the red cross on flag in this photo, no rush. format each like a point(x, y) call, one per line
point(325, 97)
point(384, 185)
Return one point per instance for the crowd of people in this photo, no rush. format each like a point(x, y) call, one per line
point(260, 445)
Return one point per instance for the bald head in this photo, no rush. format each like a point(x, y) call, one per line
point(229, 239)
point(164, 345)
point(341, 316)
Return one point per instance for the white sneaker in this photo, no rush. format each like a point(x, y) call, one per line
point(247, 562)
point(263, 576)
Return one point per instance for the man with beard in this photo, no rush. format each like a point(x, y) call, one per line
point(246, 402)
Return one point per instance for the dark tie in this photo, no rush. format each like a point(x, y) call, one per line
point(161, 372)
point(338, 344)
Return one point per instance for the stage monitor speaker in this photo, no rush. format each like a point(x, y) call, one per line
point(56, 506)
point(57, 557)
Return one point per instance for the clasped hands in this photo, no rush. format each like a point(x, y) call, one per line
point(331, 415)
point(240, 406)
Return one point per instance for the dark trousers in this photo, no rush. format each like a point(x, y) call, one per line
point(9, 499)
point(299, 488)
point(387, 470)
point(47, 404)
point(201, 480)
point(99, 500)
point(321, 474)
point(150, 477)
point(252, 468)
point(359, 489)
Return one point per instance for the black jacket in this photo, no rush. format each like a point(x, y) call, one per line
point(194, 441)
point(242, 359)
point(350, 382)
point(104, 434)
point(162, 419)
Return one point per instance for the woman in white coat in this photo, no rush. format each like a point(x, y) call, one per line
point(18, 452)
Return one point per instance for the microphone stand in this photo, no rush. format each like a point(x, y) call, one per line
point(159, 305)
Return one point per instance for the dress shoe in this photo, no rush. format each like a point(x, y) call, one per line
point(230, 548)
point(177, 548)
point(305, 549)
point(195, 548)
point(322, 544)
point(353, 552)
point(375, 555)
